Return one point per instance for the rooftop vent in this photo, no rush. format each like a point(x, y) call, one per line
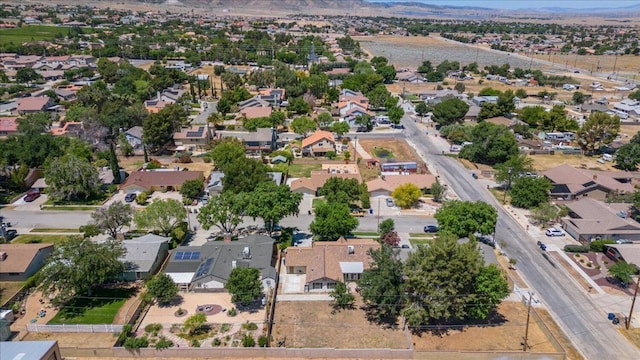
point(351, 250)
point(3, 255)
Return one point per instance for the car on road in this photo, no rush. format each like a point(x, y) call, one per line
point(390, 202)
point(10, 234)
point(130, 197)
point(431, 229)
point(554, 232)
point(543, 247)
point(405, 246)
point(32, 195)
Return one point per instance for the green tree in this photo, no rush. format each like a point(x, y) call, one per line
point(34, 124)
point(243, 175)
point(422, 109)
point(578, 98)
point(600, 129)
point(395, 114)
point(340, 190)
point(544, 213)
point(272, 203)
point(491, 144)
point(388, 73)
point(386, 226)
point(71, 178)
point(378, 96)
point(161, 215)
point(298, 106)
point(517, 165)
point(623, 271)
point(125, 147)
point(332, 221)
point(158, 128)
point(340, 128)
point(256, 123)
point(442, 279)
point(364, 121)
point(162, 288)
point(438, 191)
point(521, 93)
point(27, 75)
point(79, 265)
point(382, 284)
point(89, 231)
point(406, 195)
point(303, 125)
point(491, 287)
point(113, 218)
point(191, 188)
point(142, 198)
point(224, 211)
point(528, 192)
point(226, 151)
point(532, 115)
point(634, 95)
point(195, 323)
point(113, 164)
point(450, 111)
point(489, 110)
point(244, 285)
point(628, 155)
point(459, 87)
point(341, 296)
point(325, 120)
point(223, 106)
point(465, 218)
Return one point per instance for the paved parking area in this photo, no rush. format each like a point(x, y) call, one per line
point(119, 196)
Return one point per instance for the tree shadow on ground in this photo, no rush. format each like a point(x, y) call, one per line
point(373, 316)
point(252, 307)
point(176, 301)
point(443, 328)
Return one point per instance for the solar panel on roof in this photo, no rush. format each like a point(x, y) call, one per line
point(204, 267)
point(195, 255)
point(197, 133)
point(179, 255)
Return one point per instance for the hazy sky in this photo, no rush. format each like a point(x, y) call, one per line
point(520, 4)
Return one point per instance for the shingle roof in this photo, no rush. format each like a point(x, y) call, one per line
point(596, 217)
point(322, 259)
point(20, 256)
point(142, 252)
point(36, 103)
point(8, 124)
point(317, 136)
point(577, 180)
point(135, 131)
point(318, 178)
point(253, 112)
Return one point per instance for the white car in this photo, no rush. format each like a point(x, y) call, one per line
point(554, 232)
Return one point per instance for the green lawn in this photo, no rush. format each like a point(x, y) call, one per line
point(70, 207)
point(421, 241)
point(53, 230)
point(37, 239)
point(32, 33)
point(303, 170)
point(317, 201)
point(429, 235)
point(100, 308)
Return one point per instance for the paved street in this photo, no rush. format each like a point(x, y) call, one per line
point(575, 311)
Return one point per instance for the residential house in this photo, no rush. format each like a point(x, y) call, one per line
point(479, 100)
point(214, 186)
point(8, 126)
point(253, 112)
point(274, 97)
point(158, 180)
point(255, 101)
point(472, 113)
point(394, 168)
point(18, 262)
point(318, 143)
point(70, 128)
point(629, 253)
point(134, 136)
point(409, 76)
point(66, 95)
point(324, 263)
point(570, 183)
point(207, 267)
point(530, 145)
point(9, 108)
point(144, 255)
point(386, 184)
point(317, 179)
point(590, 219)
point(30, 105)
point(255, 142)
point(30, 350)
point(193, 138)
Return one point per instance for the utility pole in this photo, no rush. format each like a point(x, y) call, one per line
point(525, 345)
point(635, 294)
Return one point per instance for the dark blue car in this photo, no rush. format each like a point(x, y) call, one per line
point(431, 229)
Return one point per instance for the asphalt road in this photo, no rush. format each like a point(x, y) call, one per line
point(585, 324)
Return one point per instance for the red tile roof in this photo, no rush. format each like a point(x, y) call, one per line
point(8, 124)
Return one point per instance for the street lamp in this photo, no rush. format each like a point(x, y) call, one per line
point(504, 200)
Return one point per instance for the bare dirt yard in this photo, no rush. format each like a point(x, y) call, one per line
point(312, 324)
point(505, 335)
point(545, 162)
point(397, 149)
point(75, 340)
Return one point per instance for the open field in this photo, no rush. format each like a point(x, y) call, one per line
point(625, 63)
point(505, 334)
point(312, 324)
point(398, 149)
point(31, 33)
point(303, 170)
point(8, 288)
point(545, 162)
point(37, 239)
point(100, 308)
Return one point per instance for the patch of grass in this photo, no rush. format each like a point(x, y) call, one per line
point(367, 234)
point(70, 207)
point(32, 33)
point(428, 235)
point(52, 230)
point(303, 170)
point(315, 202)
point(451, 155)
point(383, 153)
point(8, 288)
point(499, 195)
point(100, 308)
point(421, 241)
point(38, 239)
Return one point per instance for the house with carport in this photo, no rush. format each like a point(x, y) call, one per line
point(590, 219)
point(143, 256)
point(386, 184)
point(158, 180)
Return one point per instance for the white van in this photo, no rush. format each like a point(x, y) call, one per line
point(607, 157)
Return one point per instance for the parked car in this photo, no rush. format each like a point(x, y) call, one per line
point(405, 246)
point(32, 195)
point(487, 240)
point(390, 202)
point(10, 234)
point(431, 229)
point(130, 197)
point(554, 232)
point(543, 247)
